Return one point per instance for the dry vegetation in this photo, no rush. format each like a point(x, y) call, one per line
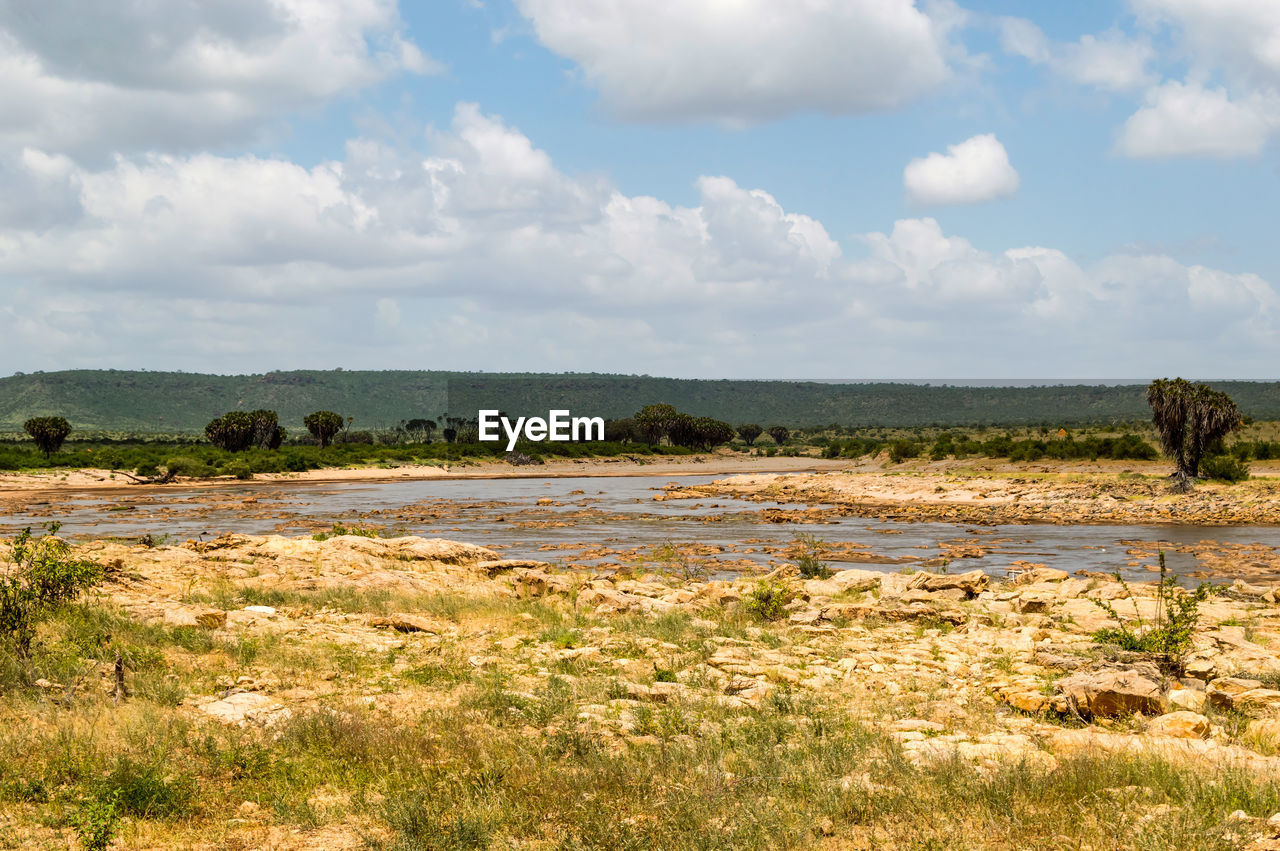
point(421, 694)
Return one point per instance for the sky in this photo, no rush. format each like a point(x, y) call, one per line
point(690, 188)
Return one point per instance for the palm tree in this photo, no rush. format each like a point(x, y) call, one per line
point(1190, 418)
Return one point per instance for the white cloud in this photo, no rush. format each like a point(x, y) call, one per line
point(1187, 119)
point(1241, 37)
point(91, 79)
point(1111, 61)
point(750, 60)
point(479, 253)
point(975, 170)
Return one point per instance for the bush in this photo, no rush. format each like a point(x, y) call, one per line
point(810, 565)
point(1226, 468)
point(901, 450)
point(768, 600)
point(38, 575)
point(239, 469)
point(1177, 613)
point(184, 465)
point(95, 823)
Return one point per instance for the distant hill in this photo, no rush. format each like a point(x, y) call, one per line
point(118, 400)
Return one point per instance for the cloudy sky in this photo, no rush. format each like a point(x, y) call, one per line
point(710, 188)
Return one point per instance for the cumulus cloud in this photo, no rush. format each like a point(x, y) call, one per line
point(1229, 103)
point(1187, 119)
point(92, 79)
point(478, 252)
point(751, 60)
point(975, 170)
point(1111, 61)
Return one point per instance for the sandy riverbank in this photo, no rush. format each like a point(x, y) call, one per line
point(1100, 492)
point(683, 465)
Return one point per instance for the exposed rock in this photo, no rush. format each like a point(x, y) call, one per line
point(403, 623)
point(246, 708)
point(1180, 725)
point(1040, 574)
point(1242, 694)
point(1188, 699)
point(1109, 692)
point(532, 582)
point(970, 583)
point(606, 601)
point(200, 618)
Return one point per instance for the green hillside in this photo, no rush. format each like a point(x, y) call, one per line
point(117, 400)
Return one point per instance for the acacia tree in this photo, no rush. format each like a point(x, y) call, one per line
point(1190, 418)
point(48, 433)
point(780, 434)
point(749, 432)
point(323, 425)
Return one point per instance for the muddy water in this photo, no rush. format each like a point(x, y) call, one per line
point(598, 522)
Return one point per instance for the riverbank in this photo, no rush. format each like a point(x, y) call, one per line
point(958, 492)
point(712, 464)
point(397, 693)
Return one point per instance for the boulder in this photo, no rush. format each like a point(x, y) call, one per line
point(1040, 574)
point(1109, 692)
point(1241, 694)
point(531, 582)
point(1180, 725)
point(970, 584)
point(606, 601)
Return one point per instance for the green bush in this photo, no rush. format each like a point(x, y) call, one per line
point(239, 469)
point(901, 450)
point(809, 563)
point(768, 600)
point(1226, 468)
point(38, 574)
point(1177, 613)
point(184, 465)
point(95, 823)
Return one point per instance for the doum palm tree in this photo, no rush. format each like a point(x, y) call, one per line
point(1190, 418)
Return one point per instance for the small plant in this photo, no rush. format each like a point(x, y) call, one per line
point(1177, 613)
point(95, 823)
point(339, 529)
point(38, 574)
point(240, 469)
point(812, 567)
point(768, 600)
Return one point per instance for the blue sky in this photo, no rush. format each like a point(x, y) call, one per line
point(826, 188)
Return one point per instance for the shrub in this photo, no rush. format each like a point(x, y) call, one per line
point(48, 433)
point(901, 450)
point(1177, 613)
point(239, 469)
point(768, 600)
point(339, 530)
point(810, 565)
point(38, 575)
point(95, 823)
point(1227, 468)
point(184, 465)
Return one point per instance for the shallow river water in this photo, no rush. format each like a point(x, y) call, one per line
point(598, 521)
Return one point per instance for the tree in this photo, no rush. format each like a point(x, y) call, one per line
point(48, 433)
point(1190, 418)
point(780, 434)
point(233, 431)
point(682, 430)
point(265, 431)
point(711, 433)
point(654, 422)
point(421, 429)
point(749, 432)
point(323, 425)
